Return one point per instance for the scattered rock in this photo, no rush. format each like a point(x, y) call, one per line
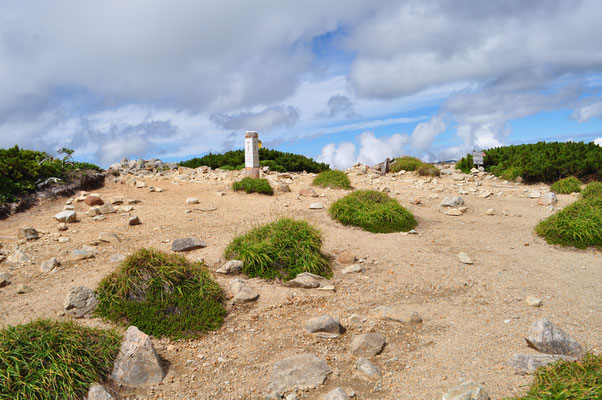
point(109, 237)
point(528, 363)
point(534, 301)
point(92, 212)
point(336, 394)
point(308, 192)
point(117, 258)
point(137, 363)
point(94, 201)
point(22, 289)
point(454, 212)
point(316, 206)
point(49, 265)
point(66, 216)
point(303, 371)
point(464, 259)
point(99, 392)
point(546, 337)
point(307, 280)
point(324, 326)
point(231, 267)
point(291, 396)
point(81, 300)
point(283, 188)
point(126, 208)
point(346, 257)
point(242, 292)
point(117, 200)
point(192, 200)
point(28, 233)
point(81, 254)
point(187, 244)
point(140, 184)
point(367, 344)
point(457, 177)
point(107, 209)
point(467, 391)
point(352, 269)
point(62, 226)
point(368, 369)
point(4, 280)
point(534, 195)
point(548, 199)
point(452, 201)
point(416, 201)
point(18, 257)
point(99, 218)
point(490, 211)
point(392, 314)
point(134, 220)
point(64, 239)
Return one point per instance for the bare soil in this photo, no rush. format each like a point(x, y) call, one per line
point(474, 316)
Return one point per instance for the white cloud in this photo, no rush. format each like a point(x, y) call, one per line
point(339, 156)
point(265, 120)
point(425, 132)
point(598, 141)
point(593, 109)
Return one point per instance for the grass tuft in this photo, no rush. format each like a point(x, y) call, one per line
point(579, 224)
point(163, 295)
point(253, 185)
point(566, 186)
point(333, 179)
point(54, 360)
point(372, 211)
point(283, 249)
point(405, 163)
point(568, 380)
point(428, 170)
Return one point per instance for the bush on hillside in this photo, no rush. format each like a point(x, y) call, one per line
point(428, 170)
point(566, 186)
point(333, 179)
point(372, 211)
point(253, 185)
point(405, 163)
point(276, 160)
point(580, 380)
point(54, 360)
point(542, 162)
point(282, 249)
point(579, 224)
point(163, 295)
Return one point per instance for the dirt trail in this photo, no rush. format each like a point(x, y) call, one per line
point(474, 316)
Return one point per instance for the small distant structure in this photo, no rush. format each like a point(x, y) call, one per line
point(252, 154)
point(477, 158)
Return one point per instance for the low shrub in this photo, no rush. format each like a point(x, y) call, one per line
point(428, 170)
point(566, 185)
point(579, 380)
point(405, 163)
point(163, 295)
point(372, 211)
point(282, 249)
point(54, 360)
point(509, 174)
point(253, 185)
point(333, 179)
point(579, 224)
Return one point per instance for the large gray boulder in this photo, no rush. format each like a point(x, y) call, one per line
point(307, 280)
point(367, 345)
point(528, 363)
point(467, 391)
point(66, 216)
point(187, 244)
point(241, 292)
point(324, 326)
point(367, 369)
point(137, 363)
point(99, 392)
point(452, 201)
point(546, 337)
point(303, 371)
point(81, 301)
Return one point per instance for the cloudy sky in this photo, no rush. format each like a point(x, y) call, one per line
point(341, 81)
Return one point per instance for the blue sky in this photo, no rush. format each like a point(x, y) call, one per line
point(340, 81)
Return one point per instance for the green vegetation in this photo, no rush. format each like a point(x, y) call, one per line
point(542, 162)
point(333, 179)
point(163, 295)
point(428, 170)
point(253, 185)
point(282, 249)
point(21, 170)
point(576, 380)
point(566, 185)
point(54, 360)
point(406, 163)
point(276, 160)
point(372, 211)
point(579, 224)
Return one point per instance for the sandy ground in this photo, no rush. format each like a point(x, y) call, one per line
point(474, 316)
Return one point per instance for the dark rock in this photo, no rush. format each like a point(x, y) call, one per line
point(187, 244)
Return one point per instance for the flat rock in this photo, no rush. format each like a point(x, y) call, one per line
point(367, 344)
point(93, 201)
point(454, 212)
point(107, 209)
point(117, 258)
point(368, 369)
point(192, 200)
point(66, 216)
point(528, 363)
point(534, 301)
point(187, 244)
point(464, 259)
point(324, 326)
point(452, 201)
point(548, 199)
point(81, 254)
point(308, 192)
point(28, 233)
point(4, 280)
point(126, 208)
point(346, 257)
point(93, 211)
point(490, 211)
point(544, 336)
point(307, 280)
point(303, 371)
point(352, 269)
point(467, 391)
point(231, 267)
point(336, 394)
point(117, 200)
point(316, 206)
point(109, 237)
point(393, 314)
point(99, 392)
point(81, 300)
point(241, 292)
point(49, 265)
point(534, 194)
point(458, 177)
point(137, 363)
point(18, 257)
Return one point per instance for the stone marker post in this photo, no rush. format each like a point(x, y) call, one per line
point(251, 154)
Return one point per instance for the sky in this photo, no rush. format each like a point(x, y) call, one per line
point(341, 81)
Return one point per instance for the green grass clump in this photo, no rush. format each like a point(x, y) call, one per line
point(163, 295)
point(333, 179)
point(372, 211)
point(578, 380)
point(566, 185)
point(282, 249)
point(579, 224)
point(54, 360)
point(428, 170)
point(253, 185)
point(405, 163)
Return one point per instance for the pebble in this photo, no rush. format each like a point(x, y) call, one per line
point(534, 301)
point(464, 259)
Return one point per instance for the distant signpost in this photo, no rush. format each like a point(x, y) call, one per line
point(477, 157)
point(251, 154)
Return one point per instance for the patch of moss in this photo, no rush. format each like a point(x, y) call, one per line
point(253, 185)
point(333, 179)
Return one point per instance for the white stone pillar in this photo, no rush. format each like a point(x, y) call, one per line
point(251, 154)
